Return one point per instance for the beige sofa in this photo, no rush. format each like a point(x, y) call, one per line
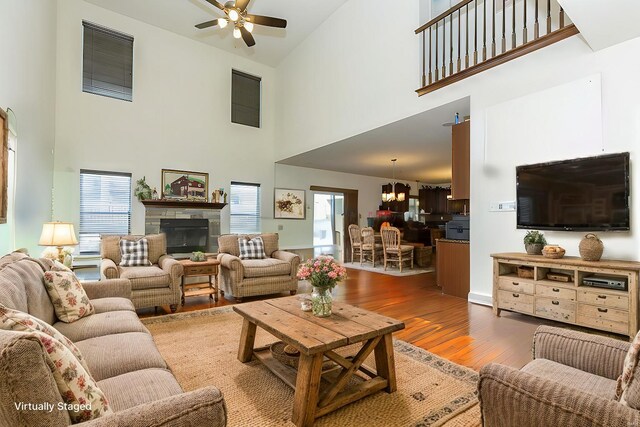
point(249, 277)
point(570, 382)
point(158, 284)
point(117, 347)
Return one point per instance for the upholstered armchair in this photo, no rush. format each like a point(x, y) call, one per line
point(570, 382)
point(152, 286)
point(242, 278)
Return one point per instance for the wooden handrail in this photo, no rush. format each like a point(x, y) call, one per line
point(480, 49)
point(443, 14)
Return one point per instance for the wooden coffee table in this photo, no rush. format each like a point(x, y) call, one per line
point(318, 390)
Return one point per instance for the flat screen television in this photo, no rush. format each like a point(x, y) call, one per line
point(586, 194)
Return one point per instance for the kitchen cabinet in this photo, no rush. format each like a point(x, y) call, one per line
point(460, 160)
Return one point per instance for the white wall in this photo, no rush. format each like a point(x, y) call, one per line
point(574, 131)
point(355, 79)
point(27, 86)
point(298, 233)
point(179, 117)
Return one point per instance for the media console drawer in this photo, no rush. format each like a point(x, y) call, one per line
point(516, 284)
point(596, 297)
point(556, 309)
point(515, 301)
point(556, 292)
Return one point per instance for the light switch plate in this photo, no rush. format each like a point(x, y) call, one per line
point(509, 206)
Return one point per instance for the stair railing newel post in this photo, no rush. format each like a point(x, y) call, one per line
point(525, 36)
point(561, 17)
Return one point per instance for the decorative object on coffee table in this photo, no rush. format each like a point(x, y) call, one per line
point(185, 185)
point(323, 273)
point(316, 339)
point(591, 248)
point(289, 204)
point(285, 353)
point(534, 241)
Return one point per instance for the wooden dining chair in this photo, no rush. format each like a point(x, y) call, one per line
point(356, 241)
point(393, 250)
point(369, 246)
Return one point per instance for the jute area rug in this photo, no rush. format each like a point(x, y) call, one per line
point(201, 347)
point(391, 270)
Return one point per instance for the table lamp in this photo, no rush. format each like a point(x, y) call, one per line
point(58, 234)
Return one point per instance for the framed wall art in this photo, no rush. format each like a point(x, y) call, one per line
point(185, 185)
point(289, 204)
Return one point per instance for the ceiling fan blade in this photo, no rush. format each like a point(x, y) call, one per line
point(216, 4)
point(247, 37)
point(268, 21)
point(242, 4)
point(207, 24)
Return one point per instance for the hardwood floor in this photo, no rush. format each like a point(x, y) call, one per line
point(465, 333)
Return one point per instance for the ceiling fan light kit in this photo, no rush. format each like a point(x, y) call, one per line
point(236, 12)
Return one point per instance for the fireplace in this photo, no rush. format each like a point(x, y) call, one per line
point(186, 235)
point(189, 226)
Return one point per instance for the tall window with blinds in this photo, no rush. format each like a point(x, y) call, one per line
point(105, 207)
point(245, 99)
point(245, 208)
point(107, 62)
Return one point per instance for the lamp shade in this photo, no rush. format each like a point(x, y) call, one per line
point(57, 234)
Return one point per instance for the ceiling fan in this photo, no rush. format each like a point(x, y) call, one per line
point(236, 14)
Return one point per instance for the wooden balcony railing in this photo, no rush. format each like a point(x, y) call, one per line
point(476, 35)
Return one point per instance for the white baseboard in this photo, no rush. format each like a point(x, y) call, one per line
point(482, 299)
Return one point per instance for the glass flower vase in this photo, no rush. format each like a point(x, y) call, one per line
point(321, 301)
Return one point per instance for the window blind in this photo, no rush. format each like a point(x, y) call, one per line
point(107, 62)
point(105, 207)
point(244, 208)
point(245, 99)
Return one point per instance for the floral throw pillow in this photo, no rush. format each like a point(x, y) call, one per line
point(83, 399)
point(14, 320)
point(69, 299)
point(251, 248)
point(629, 367)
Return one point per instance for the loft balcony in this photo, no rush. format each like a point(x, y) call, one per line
point(476, 35)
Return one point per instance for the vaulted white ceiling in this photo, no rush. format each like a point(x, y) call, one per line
point(272, 44)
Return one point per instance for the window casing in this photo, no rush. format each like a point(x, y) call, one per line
point(244, 208)
point(107, 62)
point(245, 99)
point(105, 207)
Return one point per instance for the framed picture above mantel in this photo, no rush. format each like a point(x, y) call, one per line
point(178, 185)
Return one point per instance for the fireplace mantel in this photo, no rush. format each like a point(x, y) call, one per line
point(182, 205)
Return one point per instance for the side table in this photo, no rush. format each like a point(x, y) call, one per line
point(201, 268)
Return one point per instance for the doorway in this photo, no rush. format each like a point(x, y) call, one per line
point(328, 223)
point(335, 209)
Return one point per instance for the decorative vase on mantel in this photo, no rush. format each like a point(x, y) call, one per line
point(321, 301)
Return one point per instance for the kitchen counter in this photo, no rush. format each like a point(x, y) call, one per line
point(452, 271)
point(453, 241)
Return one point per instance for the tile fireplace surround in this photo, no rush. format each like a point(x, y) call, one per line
point(157, 210)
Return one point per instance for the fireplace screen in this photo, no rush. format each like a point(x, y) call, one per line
point(185, 235)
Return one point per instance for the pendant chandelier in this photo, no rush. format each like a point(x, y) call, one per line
point(391, 196)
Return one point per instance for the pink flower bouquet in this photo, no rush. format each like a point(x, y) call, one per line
point(323, 272)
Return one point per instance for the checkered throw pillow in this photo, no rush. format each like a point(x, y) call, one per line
point(134, 253)
point(251, 248)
